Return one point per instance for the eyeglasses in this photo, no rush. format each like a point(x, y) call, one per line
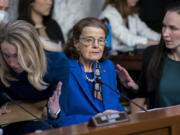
point(91, 40)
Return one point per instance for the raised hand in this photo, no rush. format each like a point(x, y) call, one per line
point(4, 111)
point(53, 103)
point(125, 78)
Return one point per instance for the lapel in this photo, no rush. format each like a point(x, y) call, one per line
point(77, 73)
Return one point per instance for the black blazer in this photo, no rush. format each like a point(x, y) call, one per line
point(54, 31)
point(142, 82)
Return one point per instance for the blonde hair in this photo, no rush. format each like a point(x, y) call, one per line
point(122, 7)
point(30, 53)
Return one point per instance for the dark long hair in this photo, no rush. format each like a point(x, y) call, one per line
point(122, 7)
point(75, 33)
point(24, 12)
point(154, 71)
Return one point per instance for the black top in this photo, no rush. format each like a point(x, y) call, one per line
point(54, 31)
point(142, 82)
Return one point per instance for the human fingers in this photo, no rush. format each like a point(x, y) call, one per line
point(98, 114)
point(4, 111)
point(59, 86)
point(110, 111)
point(118, 67)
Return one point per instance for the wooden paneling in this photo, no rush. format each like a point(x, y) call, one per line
point(129, 62)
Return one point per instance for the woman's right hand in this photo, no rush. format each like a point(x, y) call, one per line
point(4, 111)
point(53, 103)
point(125, 78)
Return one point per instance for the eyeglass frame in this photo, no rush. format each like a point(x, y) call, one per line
point(94, 40)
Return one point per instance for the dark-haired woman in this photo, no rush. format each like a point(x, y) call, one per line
point(159, 81)
point(39, 13)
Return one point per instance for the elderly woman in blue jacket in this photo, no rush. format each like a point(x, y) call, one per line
point(86, 97)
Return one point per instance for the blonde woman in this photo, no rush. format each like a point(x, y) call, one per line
point(127, 28)
point(28, 72)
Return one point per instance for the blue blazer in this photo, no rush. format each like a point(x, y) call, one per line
point(80, 106)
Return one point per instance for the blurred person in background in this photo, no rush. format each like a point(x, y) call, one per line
point(39, 13)
point(128, 29)
point(4, 5)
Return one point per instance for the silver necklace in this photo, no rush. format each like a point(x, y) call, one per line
point(83, 71)
point(90, 80)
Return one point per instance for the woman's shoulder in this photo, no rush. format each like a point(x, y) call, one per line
point(53, 25)
point(107, 64)
point(109, 12)
point(53, 22)
point(148, 52)
point(110, 8)
point(150, 49)
point(51, 54)
point(56, 58)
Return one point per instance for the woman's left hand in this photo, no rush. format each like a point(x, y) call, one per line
point(125, 78)
point(4, 111)
point(107, 112)
point(110, 111)
point(53, 103)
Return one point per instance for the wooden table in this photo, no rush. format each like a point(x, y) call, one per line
point(160, 122)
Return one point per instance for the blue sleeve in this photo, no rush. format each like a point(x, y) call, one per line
point(59, 70)
point(59, 121)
